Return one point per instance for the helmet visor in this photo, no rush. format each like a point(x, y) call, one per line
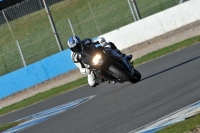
point(77, 48)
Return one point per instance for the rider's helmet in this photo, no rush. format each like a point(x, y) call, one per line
point(75, 44)
point(102, 41)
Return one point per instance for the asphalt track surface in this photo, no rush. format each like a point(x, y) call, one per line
point(168, 84)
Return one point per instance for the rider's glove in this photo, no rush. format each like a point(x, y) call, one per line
point(85, 71)
point(79, 56)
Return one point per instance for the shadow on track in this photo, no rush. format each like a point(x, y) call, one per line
point(171, 68)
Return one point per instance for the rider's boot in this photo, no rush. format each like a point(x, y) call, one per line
point(128, 57)
point(104, 80)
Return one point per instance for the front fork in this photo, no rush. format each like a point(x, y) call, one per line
point(127, 62)
point(129, 66)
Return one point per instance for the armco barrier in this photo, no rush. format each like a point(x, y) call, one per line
point(58, 64)
point(21, 79)
point(36, 73)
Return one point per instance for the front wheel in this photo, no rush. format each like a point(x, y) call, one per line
point(137, 75)
point(126, 76)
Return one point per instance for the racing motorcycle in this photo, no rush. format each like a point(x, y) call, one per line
point(109, 64)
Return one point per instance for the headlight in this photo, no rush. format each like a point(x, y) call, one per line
point(97, 60)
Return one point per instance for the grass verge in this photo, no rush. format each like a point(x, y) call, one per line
point(167, 50)
point(188, 125)
point(9, 125)
point(69, 86)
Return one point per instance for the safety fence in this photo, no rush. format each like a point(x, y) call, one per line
point(34, 29)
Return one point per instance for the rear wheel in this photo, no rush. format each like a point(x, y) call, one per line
point(122, 74)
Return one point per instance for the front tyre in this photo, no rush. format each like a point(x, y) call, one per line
point(137, 75)
point(117, 71)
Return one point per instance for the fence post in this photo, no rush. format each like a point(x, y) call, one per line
point(132, 11)
point(53, 26)
point(21, 54)
point(70, 24)
point(136, 10)
point(8, 25)
point(94, 18)
point(180, 1)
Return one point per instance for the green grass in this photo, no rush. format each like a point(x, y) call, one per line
point(37, 40)
point(69, 86)
point(167, 50)
point(9, 125)
point(181, 127)
point(147, 7)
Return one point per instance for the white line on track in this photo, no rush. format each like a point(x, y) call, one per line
point(46, 114)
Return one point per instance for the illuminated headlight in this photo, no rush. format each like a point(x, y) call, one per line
point(97, 60)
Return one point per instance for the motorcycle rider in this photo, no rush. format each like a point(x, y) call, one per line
point(75, 44)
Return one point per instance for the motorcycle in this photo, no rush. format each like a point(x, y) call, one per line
point(109, 64)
